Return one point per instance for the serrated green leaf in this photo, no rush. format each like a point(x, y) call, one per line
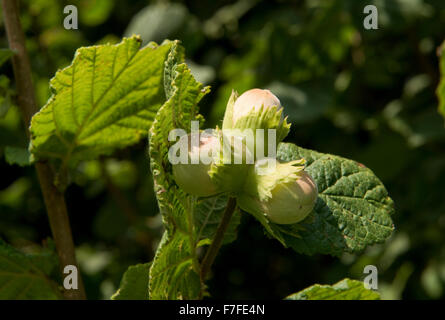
point(25, 276)
point(18, 156)
point(134, 284)
point(174, 273)
point(207, 215)
point(175, 261)
point(5, 54)
point(353, 209)
point(441, 88)
point(105, 100)
point(345, 289)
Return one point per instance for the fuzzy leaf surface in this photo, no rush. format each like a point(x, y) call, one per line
point(353, 209)
point(189, 222)
point(105, 100)
point(134, 284)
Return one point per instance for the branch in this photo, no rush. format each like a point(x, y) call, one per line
point(212, 251)
point(54, 199)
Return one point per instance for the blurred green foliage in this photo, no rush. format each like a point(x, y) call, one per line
point(368, 95)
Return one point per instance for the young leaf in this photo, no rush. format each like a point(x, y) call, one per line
point(25, 276)
point(207, 215)
point(345, 289)
point(174, 273)
point(353, 209)
point(105, 100)
point(441, 88)
point(134, 284)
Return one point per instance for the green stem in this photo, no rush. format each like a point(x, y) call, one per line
point(26, 101)
point(212, 251)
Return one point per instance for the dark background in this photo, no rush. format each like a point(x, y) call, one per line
point(368, 95)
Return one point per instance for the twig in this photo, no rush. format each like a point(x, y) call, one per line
point(212, 251)
point(60, 225)
point(54, 199)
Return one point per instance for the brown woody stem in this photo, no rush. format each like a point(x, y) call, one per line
point(54, 199)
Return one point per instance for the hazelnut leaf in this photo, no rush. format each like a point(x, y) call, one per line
point(353, 209)
point(175, 260)
point(345, 289)
point(134, 283)
point(189, 221)
point(105, 100)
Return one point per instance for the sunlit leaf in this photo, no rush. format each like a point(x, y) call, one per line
point(353, 209)
point(105, 100)
point(134, 284)
point(189, 222)
point(345, 289)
